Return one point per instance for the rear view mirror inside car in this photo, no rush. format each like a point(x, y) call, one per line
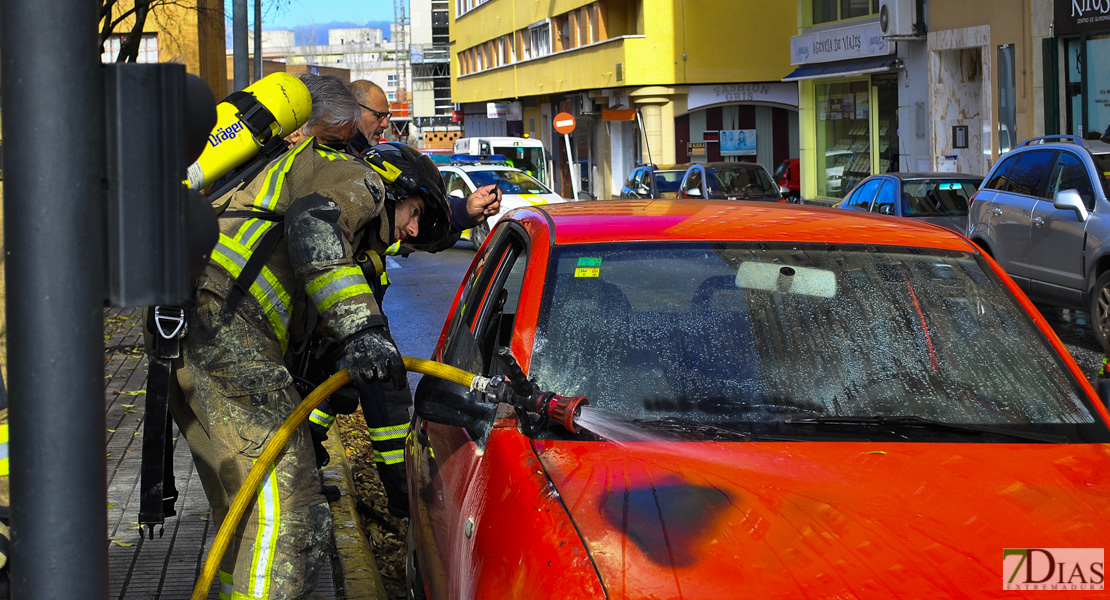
point(771, 277)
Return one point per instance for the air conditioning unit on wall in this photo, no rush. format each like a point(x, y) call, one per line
point(897, 18)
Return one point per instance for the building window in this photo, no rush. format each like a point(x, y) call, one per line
point(539, 36)
point(826, 11)
point(391, 95)
point(148, 49)
point(391, 79)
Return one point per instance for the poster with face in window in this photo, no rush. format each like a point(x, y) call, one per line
point(738, 142)
point(834, 107)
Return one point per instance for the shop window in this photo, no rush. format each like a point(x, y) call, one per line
point(843, 136)
point(1098, 82)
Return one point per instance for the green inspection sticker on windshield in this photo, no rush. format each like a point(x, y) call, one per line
point(588, 266)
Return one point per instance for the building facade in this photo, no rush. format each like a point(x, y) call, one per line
point(645, 80)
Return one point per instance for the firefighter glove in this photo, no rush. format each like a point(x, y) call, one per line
point(373, 356)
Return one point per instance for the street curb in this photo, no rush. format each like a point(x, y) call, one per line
point(354, 570)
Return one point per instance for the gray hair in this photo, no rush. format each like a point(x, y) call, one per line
point(332, 103)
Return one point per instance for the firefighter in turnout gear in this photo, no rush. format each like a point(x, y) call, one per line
point(385, 408)
point(286, 259)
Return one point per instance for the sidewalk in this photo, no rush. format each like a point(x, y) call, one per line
point(166, 567)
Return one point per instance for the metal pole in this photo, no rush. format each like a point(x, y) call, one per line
point(573, 170)
point(239, 37)
point(257, 40)
point(54, 236)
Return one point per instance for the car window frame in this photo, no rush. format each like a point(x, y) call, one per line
point(1039, 192)
point(507, 248)
point(859, 191)
point(892, 185)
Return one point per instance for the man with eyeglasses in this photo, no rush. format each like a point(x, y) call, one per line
point(375, 114)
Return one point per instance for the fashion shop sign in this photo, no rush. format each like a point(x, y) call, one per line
point(843, 43)
point(1077, 16)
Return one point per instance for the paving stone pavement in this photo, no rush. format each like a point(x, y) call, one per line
point(165, 567)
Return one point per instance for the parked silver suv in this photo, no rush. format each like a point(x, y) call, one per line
point(1043, 213)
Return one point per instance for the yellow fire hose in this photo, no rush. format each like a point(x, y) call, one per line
point(278, 441)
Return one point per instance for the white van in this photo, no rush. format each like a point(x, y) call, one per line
point(526, 154)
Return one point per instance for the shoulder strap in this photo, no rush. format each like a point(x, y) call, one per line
point(259, 255)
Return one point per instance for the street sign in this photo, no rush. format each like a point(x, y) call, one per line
point(564, 123)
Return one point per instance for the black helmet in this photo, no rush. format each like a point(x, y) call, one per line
point(407, 172)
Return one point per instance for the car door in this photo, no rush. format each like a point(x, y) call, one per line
point(692, 181)
point(1056, 238)
point(629, 189)
point(449, 464)
point(1011, 214)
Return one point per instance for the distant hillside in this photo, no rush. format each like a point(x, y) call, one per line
point(317, 33)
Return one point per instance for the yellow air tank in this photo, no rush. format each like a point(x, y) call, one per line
point(263, 113)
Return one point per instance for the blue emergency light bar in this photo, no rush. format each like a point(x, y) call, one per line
point(478, 158)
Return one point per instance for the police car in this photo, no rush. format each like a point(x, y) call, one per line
point(467, 173)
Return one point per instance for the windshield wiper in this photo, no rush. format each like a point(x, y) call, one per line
point(680, 425)
point(908, 421)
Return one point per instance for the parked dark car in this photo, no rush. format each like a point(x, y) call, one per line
point(788, 175)
point(939, 198)
point(729, 181)
point(1043, 213)
point(653, 181)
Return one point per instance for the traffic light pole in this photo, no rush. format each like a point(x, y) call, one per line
point(54, 238)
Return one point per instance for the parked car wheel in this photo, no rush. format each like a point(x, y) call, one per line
point(1100, 309)
point(478, 234)
point(413, 581)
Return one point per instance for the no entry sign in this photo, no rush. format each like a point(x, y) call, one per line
point(564, 123)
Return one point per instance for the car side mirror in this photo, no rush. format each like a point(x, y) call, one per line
point(448, 403)
point(886, 209)
point(643, 191)
point(784, 190)
point(457, 194)
point(1071, 200)
point(695, 192)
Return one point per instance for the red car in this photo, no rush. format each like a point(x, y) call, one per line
point(787, 175)
point(783, 402)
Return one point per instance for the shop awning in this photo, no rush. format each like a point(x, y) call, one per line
point(845, 69)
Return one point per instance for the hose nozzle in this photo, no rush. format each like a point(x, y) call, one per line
point(560, 408)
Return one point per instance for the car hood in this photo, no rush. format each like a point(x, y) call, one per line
point(824, 519)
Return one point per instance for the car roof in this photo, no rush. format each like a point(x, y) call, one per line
point(468, 168)
point(708, 220)
point(732, 165)
point(930, 175)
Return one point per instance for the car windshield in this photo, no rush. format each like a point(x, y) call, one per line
point(752, 336)
point(937, 197)
point(667, 181)
point(510, 182)
point(739, 181)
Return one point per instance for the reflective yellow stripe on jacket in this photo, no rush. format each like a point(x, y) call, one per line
point(4, 467)
point(337, 285)
point(232, 254)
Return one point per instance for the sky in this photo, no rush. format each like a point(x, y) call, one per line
point(290, 14)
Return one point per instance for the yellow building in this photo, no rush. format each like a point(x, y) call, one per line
point(190, 32)
point(916, 85)
point(685, 70)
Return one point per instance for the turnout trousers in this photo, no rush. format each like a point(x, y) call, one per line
point(234, 394)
